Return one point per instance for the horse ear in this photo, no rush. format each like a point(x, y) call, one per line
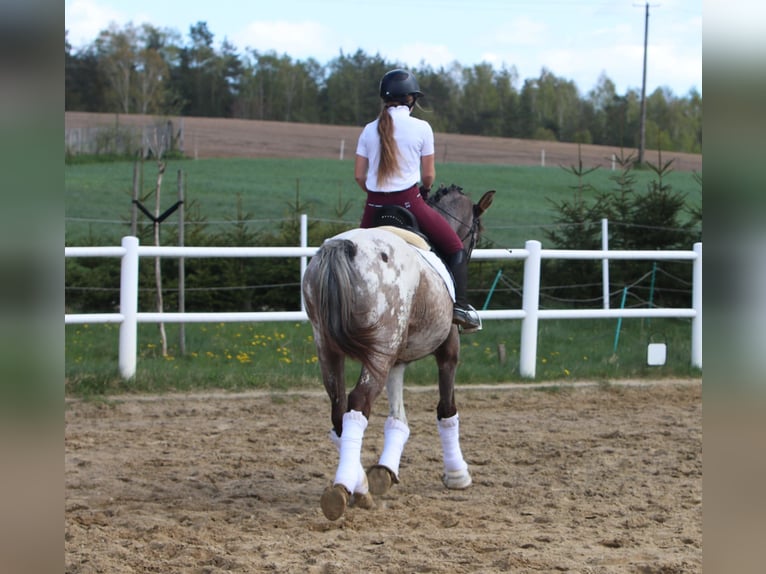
point(484, 202)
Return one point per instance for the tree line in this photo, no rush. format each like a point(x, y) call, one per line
point(149, 70)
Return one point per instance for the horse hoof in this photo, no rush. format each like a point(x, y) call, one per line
point(457, 479)
point(334, 501)
point(364, 500)
point(380, 479)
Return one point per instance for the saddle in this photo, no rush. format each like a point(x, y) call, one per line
point(400, 221)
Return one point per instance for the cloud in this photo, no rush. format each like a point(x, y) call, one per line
point(413, 55)
point(521, 31)
point(85, 19)
point(667, 63)
point(299, 40)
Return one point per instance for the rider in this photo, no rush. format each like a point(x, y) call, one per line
point(394, 152)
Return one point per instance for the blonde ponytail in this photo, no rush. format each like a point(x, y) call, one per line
point(389, 152)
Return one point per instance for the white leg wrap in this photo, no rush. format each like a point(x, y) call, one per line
point(350, 472)
point(396, 434)
point(449, 432)
point(362, 486)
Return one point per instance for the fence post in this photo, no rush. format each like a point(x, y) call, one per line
point(181, 262)
point(530, 303)
point(304, 259)
point(128, 347)
point(697, 306)
point(605, 262)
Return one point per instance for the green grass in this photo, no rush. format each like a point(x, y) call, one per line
point(280, 355)
point(239, 356)
point(268, 188)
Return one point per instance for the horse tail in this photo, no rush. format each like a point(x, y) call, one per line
point(339, 317)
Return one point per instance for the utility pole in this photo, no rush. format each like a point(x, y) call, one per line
point(642, 129)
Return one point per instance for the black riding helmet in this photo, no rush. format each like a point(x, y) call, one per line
point(397, 84)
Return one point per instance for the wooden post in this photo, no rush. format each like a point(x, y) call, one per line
point(181, 266)
point(134, 204)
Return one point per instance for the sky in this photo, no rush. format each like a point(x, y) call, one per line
point(577, 40)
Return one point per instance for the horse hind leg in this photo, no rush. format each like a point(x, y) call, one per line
point(385, 474)
point(396, 432)
point(456, 475)
point(349, 476)
point(360, 494)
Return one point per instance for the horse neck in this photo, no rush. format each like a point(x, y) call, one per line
point(457, 213)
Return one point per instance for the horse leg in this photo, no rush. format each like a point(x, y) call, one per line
point(361, 492)
point(333, 376)
point(456, 475)
point(396, 432)
point(332, 365)
point(350, 476)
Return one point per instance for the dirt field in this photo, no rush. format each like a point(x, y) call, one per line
point(211, 137)
point(591, 479)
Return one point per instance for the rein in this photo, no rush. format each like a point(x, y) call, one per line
point(472, 229)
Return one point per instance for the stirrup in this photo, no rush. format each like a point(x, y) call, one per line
point(467, 319)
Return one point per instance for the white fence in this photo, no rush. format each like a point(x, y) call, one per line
point(530, 313)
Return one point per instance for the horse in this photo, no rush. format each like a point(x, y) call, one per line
point(374, 298)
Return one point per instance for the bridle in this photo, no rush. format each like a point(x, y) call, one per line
point(473, 229)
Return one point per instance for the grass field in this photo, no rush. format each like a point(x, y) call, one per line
point(239, 356)
point(98, 196)
point(236, 356)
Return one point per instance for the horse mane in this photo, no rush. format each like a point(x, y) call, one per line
point(452, 195)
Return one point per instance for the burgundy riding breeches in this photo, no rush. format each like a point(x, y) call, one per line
point(433, 225)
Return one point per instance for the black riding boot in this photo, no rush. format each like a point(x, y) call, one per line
point(463, 314)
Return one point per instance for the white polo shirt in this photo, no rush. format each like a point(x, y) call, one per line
point(414, 138)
